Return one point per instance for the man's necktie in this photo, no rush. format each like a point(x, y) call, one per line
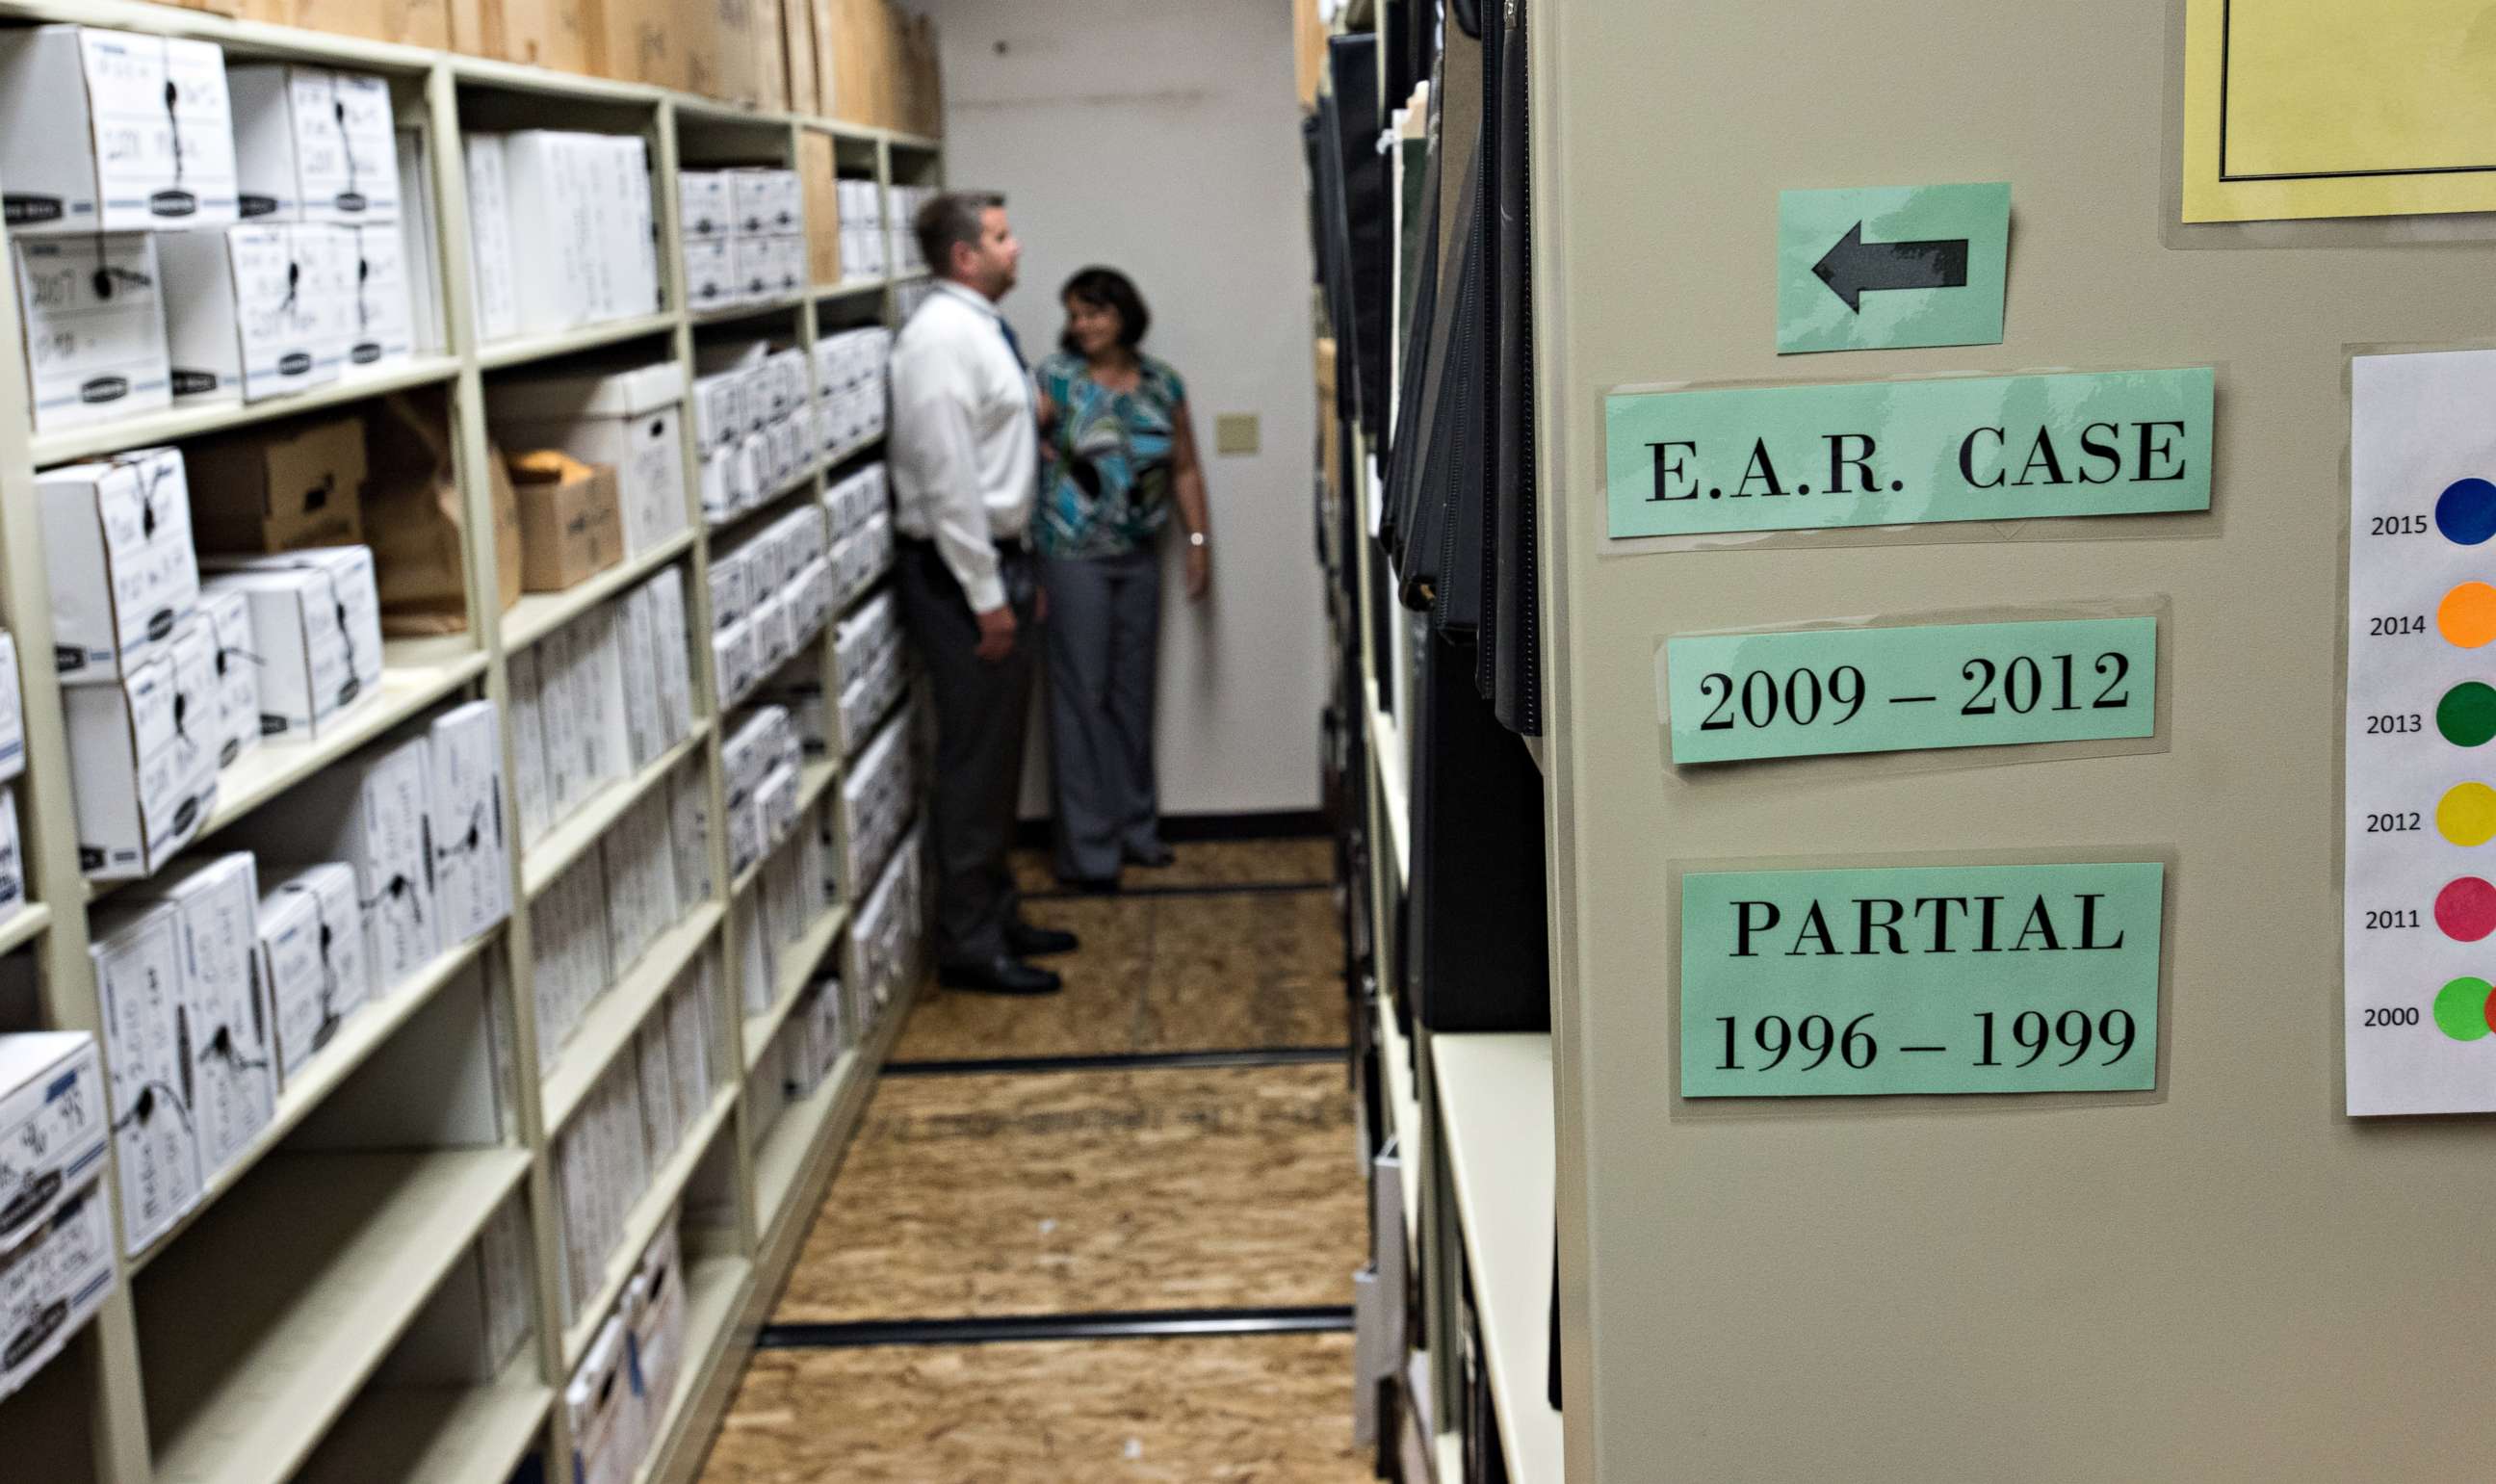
point(1011, 343)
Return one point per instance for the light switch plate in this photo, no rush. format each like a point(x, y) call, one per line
point(1234, 432)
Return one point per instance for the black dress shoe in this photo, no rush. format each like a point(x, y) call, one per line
point(1002, 974)
point(1030, 940)
point(1155, 858)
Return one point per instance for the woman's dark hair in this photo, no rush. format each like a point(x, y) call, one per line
point(1105, 288)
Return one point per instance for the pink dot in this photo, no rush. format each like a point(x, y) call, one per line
point(2466, 909)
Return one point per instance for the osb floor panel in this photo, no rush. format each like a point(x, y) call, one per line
point(1070, 1193)
point(1267, 1408)
point(1206, 863)
point(1223, 972)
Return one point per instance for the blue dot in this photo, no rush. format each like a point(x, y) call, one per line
point(2466, 512)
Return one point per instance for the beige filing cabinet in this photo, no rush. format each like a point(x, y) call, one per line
point(2227, 1278)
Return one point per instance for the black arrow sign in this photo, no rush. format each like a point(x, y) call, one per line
point(1855, 267)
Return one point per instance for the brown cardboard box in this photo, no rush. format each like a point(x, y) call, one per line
point(409, 22)
point(665, 42)
point(561, 33)
point(279, 489)
point(818, 173)
point(797, 47)
point(571, 525)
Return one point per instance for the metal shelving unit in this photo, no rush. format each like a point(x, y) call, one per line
point(241, 1345)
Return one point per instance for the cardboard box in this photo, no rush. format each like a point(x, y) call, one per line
point(491, 272)
point(528, 746)
point(136, 953)
point(647, 726)
point(472, 863)
point(659, 1317)
point(736, 662)
point(311, 961)
point(250, 312)
point(13, 855)
point(315, 625)
point(383, 333)
point(656, 1068)
point(424, 23)
point(770, 267)
point(54, 1125)
point(279, 488)
point(670, 638)
point(312, 145)
point(236, 665)
point(711, 274)
point(689, 832)
point(593, 677)
point(628, 421)
point(602, 1402)
point(768, 202)
point(93, 317)
point(570, 528)
point(13, 712)
point(370, 812)
point(143, 780)
point(706, 204)
point(53, 1283)
point(229, 1076)
point(87, 146)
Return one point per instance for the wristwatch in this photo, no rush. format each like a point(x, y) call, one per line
point(1196, 538)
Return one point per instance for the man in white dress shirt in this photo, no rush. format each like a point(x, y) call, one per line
point(964, 450)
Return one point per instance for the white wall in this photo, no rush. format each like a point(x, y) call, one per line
point(1163, 140)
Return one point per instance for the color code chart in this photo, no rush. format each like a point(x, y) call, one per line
point(2419, 964)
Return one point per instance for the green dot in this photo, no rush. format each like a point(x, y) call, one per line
point(2467, 714)
point(2461, 1008)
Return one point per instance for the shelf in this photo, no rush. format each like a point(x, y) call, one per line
point(813, 778)
point(715, 1289)
point(851, 450)
point(849, 285)
point(260, 1330)
point(501, 354)
point(641, 1226)
point(175, 424)
point(545, 81)
point(605, 1030)
point(798, 961)
point(254, 39)
point(417, 675)
point(1404, 1108)
point(363, 1031)
point(770, 504)
point(580, 831)
point(437, 1435)
point(1494, 1097)
point(24, 925)
point(781, 1158)
point(1387, 749)
point(539, 614)
point(730, 314)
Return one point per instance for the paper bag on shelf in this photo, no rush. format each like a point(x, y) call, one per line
point(414, 515)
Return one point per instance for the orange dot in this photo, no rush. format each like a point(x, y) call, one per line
point(2467, 615)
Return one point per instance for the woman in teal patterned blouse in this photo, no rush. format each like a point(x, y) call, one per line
point(1116, 455)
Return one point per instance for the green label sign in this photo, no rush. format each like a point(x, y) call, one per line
point(1808, 693)
point(1895, 453)
point(1881, 270)
point(1920, 979)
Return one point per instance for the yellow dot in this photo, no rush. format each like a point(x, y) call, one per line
point(2467, 817)
point(2467, 615)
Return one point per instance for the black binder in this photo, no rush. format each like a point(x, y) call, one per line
point(1369, 245)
